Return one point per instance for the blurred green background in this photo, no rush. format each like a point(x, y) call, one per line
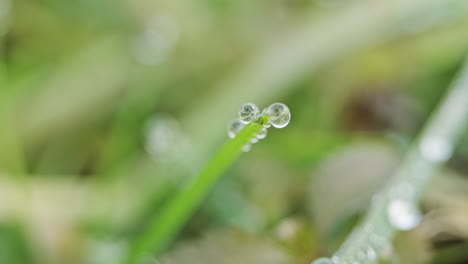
point(108, 107)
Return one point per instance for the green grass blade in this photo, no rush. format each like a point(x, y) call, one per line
point(434, 147)
point(165, 226)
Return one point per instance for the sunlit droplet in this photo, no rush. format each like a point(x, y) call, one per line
point(234, 127)
point(403, 215)
point(279, 115)
point(322, 261)
point(435, 149)
point(248, 112)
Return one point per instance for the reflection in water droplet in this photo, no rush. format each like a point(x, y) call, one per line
point(234, 127)
point(262, 133)
point(436, 149)
point(402, 214)
point(248, 112)
point(322, 261)
point(279, 115)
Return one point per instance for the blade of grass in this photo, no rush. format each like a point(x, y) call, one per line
point(164, 227)
point(434, 146)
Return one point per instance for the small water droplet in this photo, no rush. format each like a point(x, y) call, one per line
point(262, 133)
point(254, 140)
point(248, 112)
point(435, 149)
point(322, 261)
point(403, 215)
point(234, 127)
point(247, 147)
point(279, 115)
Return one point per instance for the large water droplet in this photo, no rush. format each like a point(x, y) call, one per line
point(322, 261)
point(248, 113)
point(436, 149)
point(279, 115)
point(234, 127)
point(403, 215)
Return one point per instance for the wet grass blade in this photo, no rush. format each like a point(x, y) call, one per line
point(165, 226)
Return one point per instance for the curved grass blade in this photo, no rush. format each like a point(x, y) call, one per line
point(164, 227)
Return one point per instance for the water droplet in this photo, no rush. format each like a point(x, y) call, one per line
point(248, 113)
point(262, 133)
point(247, 147)
point(436, 149)
point(279, 115)
point(234, 127)
point(322, 261)
point(403, 215)
point(254, 140)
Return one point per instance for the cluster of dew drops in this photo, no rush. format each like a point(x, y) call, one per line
point(279, 117)
point(401, 213)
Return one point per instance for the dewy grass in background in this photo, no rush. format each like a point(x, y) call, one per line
point(395, 207)
point(165, 226)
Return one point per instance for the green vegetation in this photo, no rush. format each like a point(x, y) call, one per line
point(113, 145)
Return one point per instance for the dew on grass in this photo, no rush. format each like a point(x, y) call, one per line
point(248, 113)
point(436, 149)
point(402, 214)
point(262, 133)
point(247, 147)
point(234, 127)
point(279, 115)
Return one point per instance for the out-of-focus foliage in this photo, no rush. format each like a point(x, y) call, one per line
point(107, 108)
